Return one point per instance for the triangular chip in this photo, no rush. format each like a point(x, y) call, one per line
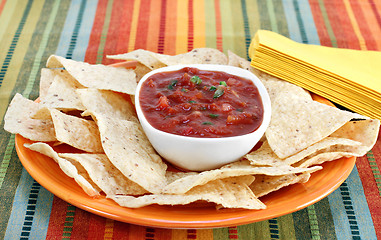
point(104, 102)
point(196, 56)
point(104, 174)
point(264, 184)
point(97, 76)
point(127, 147)
point(143, 56)
point(80, 176)
point(61, 94)
point(46, 79)
point(18, 120)
point(77, 132)
point(239, 168)
point(297, 123)
point(228, 192)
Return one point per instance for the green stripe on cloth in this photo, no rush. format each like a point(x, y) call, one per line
point(103, 38)
point(210, 25)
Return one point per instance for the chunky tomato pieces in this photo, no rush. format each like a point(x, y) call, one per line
point(198, 103)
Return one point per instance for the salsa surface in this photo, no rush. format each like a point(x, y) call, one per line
point(199, 103)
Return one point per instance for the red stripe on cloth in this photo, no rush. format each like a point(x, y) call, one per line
point(96, 227)
point(143, 21)
point(114, 31)
point(190, 26)
point(124, 26)
point(121, 230)
point(218, 25)
point(80, 224)
point(57, 219)
point(96, 32)
point(170, 28)
point(163, 13)
point(339, 26)
point(371, 190)
point(362, 23)
point(321, 28)
point(2, 6)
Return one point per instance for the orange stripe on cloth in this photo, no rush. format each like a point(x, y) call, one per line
point(109, 229)
point(199, 22)
point(154, 26)
point(2, 3)
point(355, 25)
point(182, 27)
point(134, 26)
point(170, 31)
point(372, 23)
point(96, 32)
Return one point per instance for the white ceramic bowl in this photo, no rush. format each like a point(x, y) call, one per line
point(199, 154)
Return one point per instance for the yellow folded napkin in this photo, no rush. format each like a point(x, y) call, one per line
point(351, 78)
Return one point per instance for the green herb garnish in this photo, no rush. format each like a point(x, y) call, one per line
point(196, 79)
point(219, 92)
point(213, 115)
point(207, 123)
point(192, 101)
point(172, 84)
point(223, 83)
point(212, 88)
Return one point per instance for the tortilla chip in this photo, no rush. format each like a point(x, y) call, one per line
point(264, 184)
point(237, 61)
point(127, 147)
point(239, 168)
point(228, 192)
point(104, 174)
point(97, 76)
point(297, 123)
point(76, 132)
point(196, 56)
point(108, 103)
point(61, 94)
point(79, 175)
point(320, 158)
point(18, 120)
point(363, 131)
point(46, 79)
point(143, 56)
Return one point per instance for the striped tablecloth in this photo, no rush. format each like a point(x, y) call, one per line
point(88, 30)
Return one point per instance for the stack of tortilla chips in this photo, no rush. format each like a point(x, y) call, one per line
point(351, 78)
point(88, 109)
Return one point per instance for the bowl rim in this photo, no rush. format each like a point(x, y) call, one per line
point(265, 98)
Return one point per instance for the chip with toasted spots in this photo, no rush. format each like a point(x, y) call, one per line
point(104, 174)
point(18, 120)
point(240, 168)
point(196, 56)
point(264, 184)
point(108, 103)
point(72, 170)
point(229, 193)
point(97, 76)
point(77, 132)
point(127, 147)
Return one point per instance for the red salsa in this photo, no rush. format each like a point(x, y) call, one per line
point(199, 103)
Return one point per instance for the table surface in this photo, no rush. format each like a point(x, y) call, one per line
point(88, 30)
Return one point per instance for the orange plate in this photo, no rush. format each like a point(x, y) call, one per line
point(287, 200)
